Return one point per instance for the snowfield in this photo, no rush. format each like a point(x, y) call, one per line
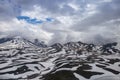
point(21, 59)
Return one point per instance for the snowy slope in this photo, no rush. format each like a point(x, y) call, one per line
point(21, 59)
point(17, 42)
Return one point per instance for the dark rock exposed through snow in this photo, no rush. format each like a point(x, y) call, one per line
point(22, 59)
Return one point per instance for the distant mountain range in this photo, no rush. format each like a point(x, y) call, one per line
point(21, 59)
point(22, 41)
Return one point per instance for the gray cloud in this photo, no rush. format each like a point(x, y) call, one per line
point(6, 10)
point(86, 20)
point(106, 11)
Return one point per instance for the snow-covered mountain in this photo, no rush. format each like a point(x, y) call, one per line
point(21, 59)
point(19, 42)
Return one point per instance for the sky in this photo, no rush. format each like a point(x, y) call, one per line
point(52, 21)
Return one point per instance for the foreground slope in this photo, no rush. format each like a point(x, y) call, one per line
point(21, 59)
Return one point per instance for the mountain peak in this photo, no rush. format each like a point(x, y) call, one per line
point(18, 37)
point(20, 42)
point(17, 42)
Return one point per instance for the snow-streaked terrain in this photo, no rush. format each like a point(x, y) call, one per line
point(21, 59)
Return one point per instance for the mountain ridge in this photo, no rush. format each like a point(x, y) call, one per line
point(69, 61)
point(20, 40)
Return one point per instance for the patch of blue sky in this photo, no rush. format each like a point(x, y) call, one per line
point(34, 20)
point(23, 18)
point(29, 20)
point(50, 19)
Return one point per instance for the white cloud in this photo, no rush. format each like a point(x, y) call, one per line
point(74, 6)
point(22, 28)
point(66, 20)
point(74, 20)
point(37, 13)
